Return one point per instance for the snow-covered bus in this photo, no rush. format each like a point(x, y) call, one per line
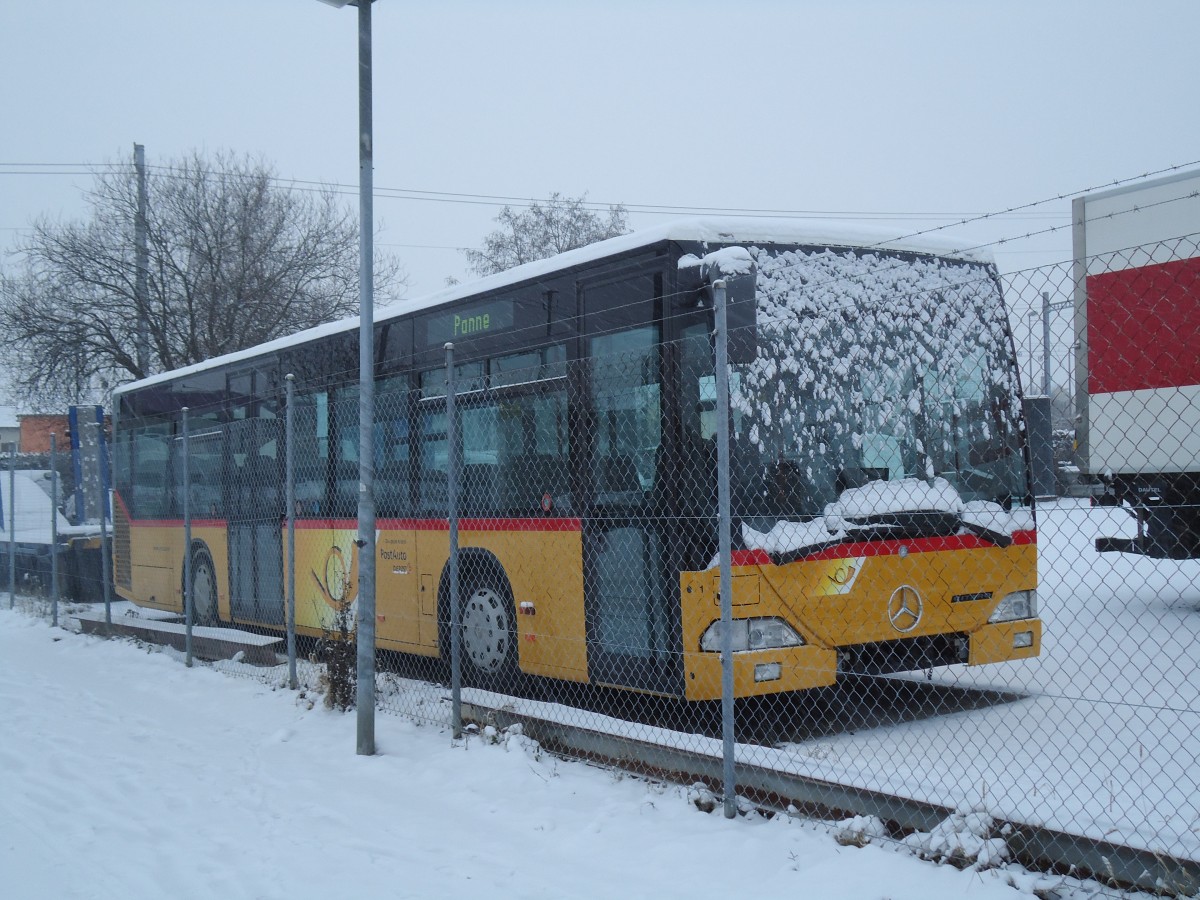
point(882, 506)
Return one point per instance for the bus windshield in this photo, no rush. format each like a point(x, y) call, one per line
point(884, 392)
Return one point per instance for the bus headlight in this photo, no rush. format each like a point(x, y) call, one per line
point(1017, 605)
point(752, 634)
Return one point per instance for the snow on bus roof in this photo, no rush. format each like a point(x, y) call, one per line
point(713, 230)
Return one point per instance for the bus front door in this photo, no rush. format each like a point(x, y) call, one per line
point(632, 619)
point(255, 505)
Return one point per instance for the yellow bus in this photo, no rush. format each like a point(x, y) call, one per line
point(882, 512)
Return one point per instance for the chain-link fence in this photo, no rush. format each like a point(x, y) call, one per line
point(831, 580)
point(1103, 744)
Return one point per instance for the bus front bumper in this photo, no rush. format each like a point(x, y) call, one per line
point(1003, 641)
point(757, 672)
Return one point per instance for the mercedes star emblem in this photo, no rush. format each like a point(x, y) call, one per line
point(905, 608)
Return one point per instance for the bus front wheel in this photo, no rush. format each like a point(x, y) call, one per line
point(204, 590)
point(489, 640)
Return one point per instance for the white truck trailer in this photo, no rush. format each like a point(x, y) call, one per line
point(1137, 329)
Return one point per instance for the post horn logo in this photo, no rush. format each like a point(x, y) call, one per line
point(905, 608)
point(340, 584)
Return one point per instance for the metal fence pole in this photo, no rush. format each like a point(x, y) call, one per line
point(365, 626)
point(105, 568)
point(1046, 343)
point(12, 525)
point(290, 478)
point(452, 464)
point(725, 545)
point(188, 605)
point(54, 529)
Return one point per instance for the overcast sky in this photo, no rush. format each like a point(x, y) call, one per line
point(906, 108)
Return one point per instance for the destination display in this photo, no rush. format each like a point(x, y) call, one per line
point(472, 321)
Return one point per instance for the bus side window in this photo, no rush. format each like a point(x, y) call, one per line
point(392, 448)
point(204, 474)
point(342, 501)
point(531, 431)
point(479, 482)
point(626, 402)
point(311, 453)
point(151, 464)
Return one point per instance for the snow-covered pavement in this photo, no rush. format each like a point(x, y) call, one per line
point(124, 774)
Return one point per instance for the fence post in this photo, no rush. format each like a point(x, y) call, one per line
point(53, 529)
point(452, 464)
point(12, 525)
point(105, 569)
point(188, 604)
point(725, 545)
point(290, 478)
point(1046, 343)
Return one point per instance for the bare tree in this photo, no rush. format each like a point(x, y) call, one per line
point(563, 223)
point(234, 260)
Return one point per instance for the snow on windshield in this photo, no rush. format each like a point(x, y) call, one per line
point(856, 506)
point(882, 382)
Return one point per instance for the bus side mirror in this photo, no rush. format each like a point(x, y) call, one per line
point(741, 310)
point(741, 314)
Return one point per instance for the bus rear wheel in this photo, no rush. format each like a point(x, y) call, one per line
point(204, 591)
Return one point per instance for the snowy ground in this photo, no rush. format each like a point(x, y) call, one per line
point(1101, 745)
point(124, 774)
point(1104, 745)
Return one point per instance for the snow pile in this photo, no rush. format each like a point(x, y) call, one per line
point(964, 839)
point(33, 506)
point(512, 738)
point(788, 537)
point(879, 498)
point(728, 262)
point(993, 517)
point(702, 797)
point(858, 831)
point(863, 507)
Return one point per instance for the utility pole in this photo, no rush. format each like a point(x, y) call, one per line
point(140, 239)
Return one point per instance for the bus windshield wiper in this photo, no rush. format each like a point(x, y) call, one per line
point(979, 529)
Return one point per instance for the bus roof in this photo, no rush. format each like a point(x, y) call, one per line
point(713, 230)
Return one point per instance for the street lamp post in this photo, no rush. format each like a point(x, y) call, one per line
point(365, 628)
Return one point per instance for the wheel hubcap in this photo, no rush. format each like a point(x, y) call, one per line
point(203, 599)
point(485, 630)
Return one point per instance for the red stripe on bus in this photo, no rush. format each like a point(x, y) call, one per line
point(391, 524)
point(918, 545)
point(884, 548)
point(1142, 328)
point(738, 557)
point(526, 524)
point(178, 523)
point(750, 558)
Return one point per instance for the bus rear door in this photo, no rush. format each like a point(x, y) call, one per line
point(254, 481)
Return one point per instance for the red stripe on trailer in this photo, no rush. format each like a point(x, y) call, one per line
point(1144, 327)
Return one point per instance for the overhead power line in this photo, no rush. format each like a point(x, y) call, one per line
point(1024, 210)
point(476, 199)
